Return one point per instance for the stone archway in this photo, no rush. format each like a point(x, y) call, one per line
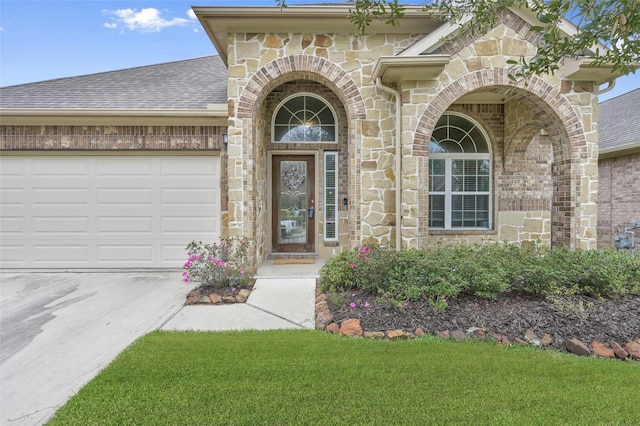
point(569, 143)
point(245, 210)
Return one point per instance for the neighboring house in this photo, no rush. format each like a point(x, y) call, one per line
point(618, 166)
point(329, 141)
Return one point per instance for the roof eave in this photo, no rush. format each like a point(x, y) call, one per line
point(220, 21)
point(402, 68)
point(616, 151)
point(214, 115)
point(583, 70)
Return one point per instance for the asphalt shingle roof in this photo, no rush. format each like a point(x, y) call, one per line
point(189, 84)
point(620, 121)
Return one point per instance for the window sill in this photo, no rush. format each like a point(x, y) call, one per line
point(463, 232)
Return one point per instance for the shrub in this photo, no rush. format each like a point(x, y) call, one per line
point(223, 264)
point(446, 271)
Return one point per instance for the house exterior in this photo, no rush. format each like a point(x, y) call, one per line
point(304, 139)
point(618, 166)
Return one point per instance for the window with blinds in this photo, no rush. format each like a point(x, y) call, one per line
point(331, 196)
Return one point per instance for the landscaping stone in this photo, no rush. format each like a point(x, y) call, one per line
point(229, 299)
point(351, 327)
point(374, 334)
point(419, 332)
point(618, 350)
point(332, 328)
point(505, 340)
point(397, 334)
point(521, 341)
point(458, 335)
point(443, 334)
point(204, 300)
point(600, 350)
point(215, 299)
point(476, 332)
point(494, 336)
point(577, 347)
point(633, 348)
point(531, 337)
point(546, 340)
point(243, 295)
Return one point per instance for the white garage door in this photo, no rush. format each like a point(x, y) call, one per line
point(106, 211)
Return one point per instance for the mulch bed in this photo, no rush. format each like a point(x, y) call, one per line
point(576, 317)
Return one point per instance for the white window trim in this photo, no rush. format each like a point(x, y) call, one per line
point(313, 95)
point(335, 196)
point(449, 193)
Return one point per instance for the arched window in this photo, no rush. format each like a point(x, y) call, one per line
point(459, 175)
point(304, 118)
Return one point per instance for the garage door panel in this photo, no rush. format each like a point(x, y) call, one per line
point(125, 225)
point(63, 196)
point(124, 196)
point(126, 254)
point(56, 253)
point(60, 225)
point(93, 211)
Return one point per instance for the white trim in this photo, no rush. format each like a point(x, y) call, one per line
point(297, 95)
point(326, 197)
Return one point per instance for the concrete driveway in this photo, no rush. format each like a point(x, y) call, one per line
point(58, 330)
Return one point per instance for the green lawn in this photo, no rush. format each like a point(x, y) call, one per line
point(314, 378)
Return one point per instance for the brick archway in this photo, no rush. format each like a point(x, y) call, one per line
point(248, 115)
point(561, 121)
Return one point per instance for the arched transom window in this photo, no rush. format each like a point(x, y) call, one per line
point(459, 175)
point(304, 118)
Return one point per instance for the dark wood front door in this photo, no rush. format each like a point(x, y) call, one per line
point(293, 207)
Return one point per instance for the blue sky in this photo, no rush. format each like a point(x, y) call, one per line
point(47, 39)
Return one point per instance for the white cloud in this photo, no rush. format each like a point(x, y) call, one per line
point(191, 14)
point(145, 20)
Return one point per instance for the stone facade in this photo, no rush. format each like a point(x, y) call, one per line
point(543, 136)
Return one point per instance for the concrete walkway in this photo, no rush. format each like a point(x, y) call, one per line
point(59, 329)
point(282, 297)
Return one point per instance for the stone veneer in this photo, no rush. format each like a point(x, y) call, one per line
point(543, 136)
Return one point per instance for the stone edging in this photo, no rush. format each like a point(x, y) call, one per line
point(351, 328)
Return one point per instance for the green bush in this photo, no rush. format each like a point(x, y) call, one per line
point(446, 271)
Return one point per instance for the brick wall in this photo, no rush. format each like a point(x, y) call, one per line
point(618, 196)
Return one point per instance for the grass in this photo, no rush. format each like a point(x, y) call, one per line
point(314, 378)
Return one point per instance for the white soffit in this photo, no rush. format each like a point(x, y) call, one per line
point(399, 68)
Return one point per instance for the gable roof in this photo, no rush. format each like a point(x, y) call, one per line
point(619, 125)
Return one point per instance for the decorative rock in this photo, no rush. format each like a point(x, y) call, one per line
point(634, 350)
point(458, 335)
point(575, 346)
point(229, 299)
point(558, 341)
point(205, 300)
point(332, 328)
point(505, 340)
point(600, 350)
point(443, 334)
point(521, 341)
point(618, 350)
point(495, 336)
point(419, 332)
point(323, 318)
point(546, 340)
point(193, 297)
point(351, 327)
point(243, 295)
point(531, 337)
point(476, 332)
point(397, 334)
point(215, 299)
point(374, 334)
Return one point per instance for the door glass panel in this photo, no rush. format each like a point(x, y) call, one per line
point(293, 202)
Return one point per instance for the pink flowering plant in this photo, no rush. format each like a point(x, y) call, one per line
point(222, 264)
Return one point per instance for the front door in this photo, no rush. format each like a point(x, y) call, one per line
point(293, 225)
